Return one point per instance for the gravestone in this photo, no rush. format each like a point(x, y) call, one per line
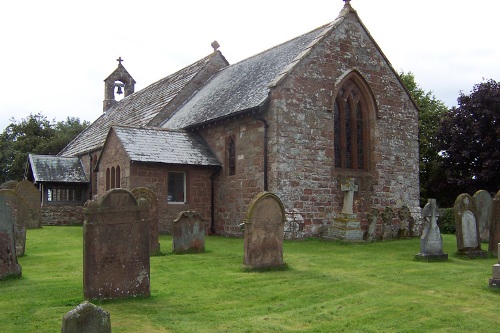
point(150, 197)
point(9, 185)
point(390, 229)
point(372, 216)
point(116, 246)
point(466, 227)
point(431, 241)
point(263, 232)
point(346, 224)
point(495, 226)
point(86, 318)
point(407, 222)
point(495, 280)
point(483, 202)
point(17, 212)
point(32, 196)
point(188, 233)
point(9, 267)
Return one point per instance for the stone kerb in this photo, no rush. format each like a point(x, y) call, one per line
point(466, 227)
point(86, 318)
point(32, 196)
point(116, 260)
point(150, 197)
point(188, 233)
point(9, 267)
point(264, 231)
point(495, 226)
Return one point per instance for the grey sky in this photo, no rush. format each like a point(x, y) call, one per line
point(55, 54)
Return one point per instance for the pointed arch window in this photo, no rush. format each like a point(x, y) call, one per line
point(351, 137)
point(118, 177)
point(107, 179)
point(231, 156)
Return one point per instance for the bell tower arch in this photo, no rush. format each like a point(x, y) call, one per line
point(118, 82)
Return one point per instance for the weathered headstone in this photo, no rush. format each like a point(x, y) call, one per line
point(431, 242)
point(9, 267)
point(390, 229)
point(372, 216)
point(294, 225)
point(407, 222)
point(116, 246)
point(18, 212)
point(32, 196)
point(263, 234)
point(9, 185)
point(150, 197)
point(466, 227)
point(86, 318)
point(188, 233)
point(483, 202)
point(495, 225)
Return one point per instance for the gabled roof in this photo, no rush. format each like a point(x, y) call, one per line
point(165, 146)
point(135, 110)
point(48, 168)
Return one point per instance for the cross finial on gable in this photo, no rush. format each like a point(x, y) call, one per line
point(119, 60)
point(215, 45)
point(347, 2)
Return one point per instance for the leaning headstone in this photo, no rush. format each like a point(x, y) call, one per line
point(372, 216)
point(495, 226)
point(407, 222)
point(32, 196)
point(263, 233)
point(483, 202)
point(9, 267)
point(466, 227)
point(86, 318)
point(116, 246)
point(431, 242)
point(150, 197)
point(390, 228)
point(18, 212)
point(188, 233)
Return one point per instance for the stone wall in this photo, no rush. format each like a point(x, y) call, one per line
point(62, 215)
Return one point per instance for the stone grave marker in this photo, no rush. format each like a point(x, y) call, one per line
point(346, 224)
point(116, 246)
point(495, 225)
point(32, 196)
point(467, 229)
point(150, 197)
point(483, 202)
point(372, 216)
point(495, 280)
point(263, 233)
point(188, 233)
point(9, 185)
point(407, 222)
point(431, 241)
point(390, 229)
point(18, 212)
point(86, 318)
point(9, 267)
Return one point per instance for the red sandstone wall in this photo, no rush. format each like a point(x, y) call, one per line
point(62, 215)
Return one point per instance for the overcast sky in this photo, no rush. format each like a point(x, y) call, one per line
point(54, 55)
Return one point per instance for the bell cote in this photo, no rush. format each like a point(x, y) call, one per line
point(119, 82)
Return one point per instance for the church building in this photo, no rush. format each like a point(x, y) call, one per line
point(296, 120)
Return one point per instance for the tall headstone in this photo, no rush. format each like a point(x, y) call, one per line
point(18, 212)
point(372, 216)
point(116, 246)
point(9, 267)
point(346, 225)
point(483, 202)
point(86, 318)
point(150, 197)
point(32, 196)
point(431, 241)
point(263, 233)
point(466, 227)
point(188, 233)
point(495, 225)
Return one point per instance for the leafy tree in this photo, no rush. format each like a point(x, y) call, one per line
point(469, 140)
point(37, 135)
point(430, 111)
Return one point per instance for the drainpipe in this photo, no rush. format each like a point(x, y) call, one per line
point(212, 200)
point(266, 126)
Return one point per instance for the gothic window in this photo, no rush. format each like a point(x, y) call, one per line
point(118, 177)
point(108, 179)
point(176, 187)
point(350, 118)
point(112, 177)
point(231, 156)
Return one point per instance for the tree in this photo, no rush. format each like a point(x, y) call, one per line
point(35, 135)
point(469, 140)
point(430, 111)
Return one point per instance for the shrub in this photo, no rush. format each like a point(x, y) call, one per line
point(446, 221)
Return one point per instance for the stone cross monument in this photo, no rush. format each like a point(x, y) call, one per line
point(431, 242)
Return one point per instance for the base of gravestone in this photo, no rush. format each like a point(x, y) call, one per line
point(495, 283)
point(267, 268)
point(345, 227)
point(431, 257)
point(475, 254)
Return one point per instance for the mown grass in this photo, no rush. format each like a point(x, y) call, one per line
point(328, 287)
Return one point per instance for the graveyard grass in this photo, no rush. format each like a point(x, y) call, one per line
point(328, 287)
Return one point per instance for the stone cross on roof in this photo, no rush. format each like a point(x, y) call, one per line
point(119, 60)
point(347, 2)
point(215, 45)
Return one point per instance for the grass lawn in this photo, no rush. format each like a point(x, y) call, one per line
point(329, 287)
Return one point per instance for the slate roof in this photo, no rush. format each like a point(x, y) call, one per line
point(49, 168)
point(245, 85)
point(165, 146)
point(136, 109)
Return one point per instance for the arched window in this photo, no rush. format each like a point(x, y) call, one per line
point(118, 177)
point(351, 128)
point(231, 156)
point(107, 179)
point(113, 179)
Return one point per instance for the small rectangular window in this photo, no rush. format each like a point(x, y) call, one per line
point(176, 187)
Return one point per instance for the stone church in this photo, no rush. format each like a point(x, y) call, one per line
point(296, 120)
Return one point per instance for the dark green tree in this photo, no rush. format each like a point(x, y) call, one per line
point(469, 140)
point(37, 135)
point(430, 112)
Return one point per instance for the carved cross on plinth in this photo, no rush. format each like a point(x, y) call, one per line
point(431, 213)
point(349, 188)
